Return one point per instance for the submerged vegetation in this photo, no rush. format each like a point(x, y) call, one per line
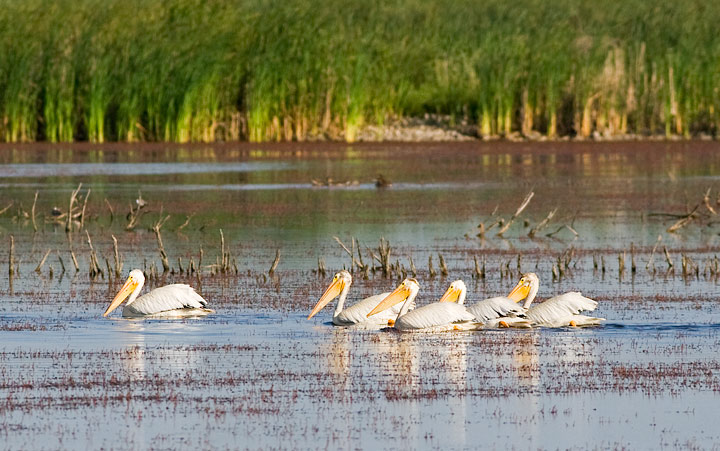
point(191, 70)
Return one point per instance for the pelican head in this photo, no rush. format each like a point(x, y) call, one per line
point(527, 287)
point(408, 288)
point(132, 287)
point(455, 293)
point(340, 282)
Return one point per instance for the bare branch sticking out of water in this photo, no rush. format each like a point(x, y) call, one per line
point(517, 213)
point(84, 207)
point(652, 254)
point(685, 220)
point(73, 199)
point(95, 268)
point(118, 263)
point(11, 259)
point(185, 224)
point(38, 268)
point(161, 248)
point(542, 224)
point(668, 259)
point(443, 266)
point(33, 212)
point(706, 201)
point(275, 263)
point(7, 208)
point(353, 261)
point(112, 212)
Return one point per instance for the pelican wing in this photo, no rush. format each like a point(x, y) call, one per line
point(169, 297)
point(434, 315)
point(358, 313)
point(560, 309)
point(495, 308)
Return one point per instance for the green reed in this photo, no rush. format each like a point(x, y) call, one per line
point(264, 70)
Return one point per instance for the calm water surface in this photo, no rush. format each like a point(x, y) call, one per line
point(259, 375)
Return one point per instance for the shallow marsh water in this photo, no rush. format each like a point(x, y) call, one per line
point(259, 375)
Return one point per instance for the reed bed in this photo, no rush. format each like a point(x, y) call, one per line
point(189, 70)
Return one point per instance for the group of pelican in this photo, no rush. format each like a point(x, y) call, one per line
point(450, 313)
point(394, 309)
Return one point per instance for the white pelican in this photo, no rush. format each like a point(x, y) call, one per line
point(446, 314)
point(500, 311)
point(355, 314)
point(559, 311)
point(170, 301)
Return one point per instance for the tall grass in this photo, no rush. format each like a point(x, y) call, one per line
point(263, 70)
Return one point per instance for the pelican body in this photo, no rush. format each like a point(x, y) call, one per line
point(500, 312)
point(559, 311)
point(444, 315)
point(170, 301)
point(357, 313)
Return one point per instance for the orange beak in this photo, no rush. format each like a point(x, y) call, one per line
point(451, 295)
point(125, 291)
point(400, 294)
point(520, 292)
point(330, 293)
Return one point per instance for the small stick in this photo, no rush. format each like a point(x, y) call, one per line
point(431, 270)
point(542, 223)
point(7, 208)
point(517, 213)
point(667, 257)
point(275, 262)
point(443, 267)
point(38, 268)
point(73, 198)
point(478, 273)
point(118, 264)
point(184, 224)
point(82, 214)
point(413, 270)
point(11, 260)
point(359, 264)
point(633, 268)
point(112, 213)
point(33, 212)
point(161, 248)
point(684, 221)
point(75, 262)
point(62, 263)
point(706, 201)
point(652, 254)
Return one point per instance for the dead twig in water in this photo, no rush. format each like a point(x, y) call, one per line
point(33, 212)
point(82, 213)
point(161, 248)
point(275, 263)
point(684, 221)
point(359, 264)
point(517, 213)
point(668, 259)
point(38, 268)
point(11, 259)
point(185, 224)
point(706, 201)
point(443, 266)
point(94, 263)
point(112, 212)
point(652, 254)
point(7, 208)
point(73, 199)
point(118, 263)
point(542, 224)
